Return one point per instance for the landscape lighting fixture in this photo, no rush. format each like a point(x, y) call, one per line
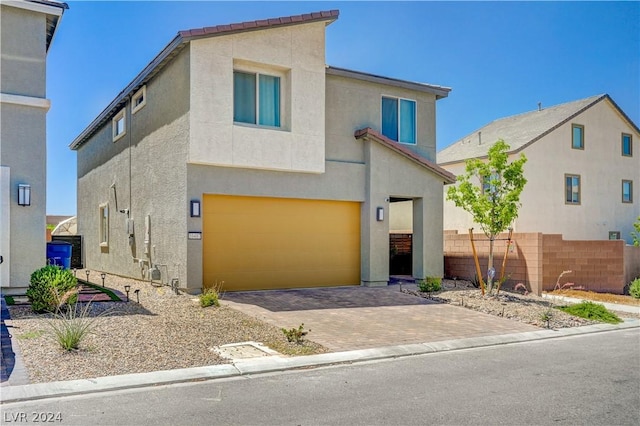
point(103, 276)
point(87, 272)
point(127, 288)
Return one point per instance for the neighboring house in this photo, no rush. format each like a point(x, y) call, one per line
point(583, 169)
point(238, 156)
point(26, 31)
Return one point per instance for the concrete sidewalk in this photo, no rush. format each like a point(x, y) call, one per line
point(269, 364)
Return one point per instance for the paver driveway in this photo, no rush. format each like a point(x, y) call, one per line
point(348, 318)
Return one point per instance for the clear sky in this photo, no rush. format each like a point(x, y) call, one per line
point(500, 58)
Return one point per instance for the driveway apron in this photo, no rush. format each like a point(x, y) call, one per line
point(349, 318)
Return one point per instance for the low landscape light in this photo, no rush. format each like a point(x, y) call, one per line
point(127, 288)
point(103, 276)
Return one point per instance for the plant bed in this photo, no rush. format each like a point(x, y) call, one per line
point(598, 297)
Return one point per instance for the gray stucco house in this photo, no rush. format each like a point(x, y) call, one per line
point(238, 156)
point(27, 30)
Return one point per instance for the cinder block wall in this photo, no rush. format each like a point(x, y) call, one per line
point(524, 263)
point(537, 260)
point(596, 265)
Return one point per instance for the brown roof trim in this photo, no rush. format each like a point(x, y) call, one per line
point(370, 134)
point(261, 24)
point(176, 45)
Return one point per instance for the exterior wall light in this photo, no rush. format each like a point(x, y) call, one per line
point(24, 194)
point(195, 208)
point(380, 214)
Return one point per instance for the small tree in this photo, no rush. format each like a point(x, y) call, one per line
point(636, 234)
point(494, 201)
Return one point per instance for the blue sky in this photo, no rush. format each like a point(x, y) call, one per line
point(500, 58)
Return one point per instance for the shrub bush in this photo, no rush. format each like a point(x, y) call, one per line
point(430, 284)
point(209, 297)
point(295, 335)
point(51, 287)
point(592, 311)
point(71, 326)
point(634, 288)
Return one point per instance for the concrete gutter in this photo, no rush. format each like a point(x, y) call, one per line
point(243, 367)
point(609, 306)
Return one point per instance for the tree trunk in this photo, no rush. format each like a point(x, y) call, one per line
point(489, 267)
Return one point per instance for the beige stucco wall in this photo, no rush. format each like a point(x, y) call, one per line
point(23, 112)
point(601, 167)
point(296, 53)
point(148, 167)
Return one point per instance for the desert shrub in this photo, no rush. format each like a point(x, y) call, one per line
point(50, 287)
point(72, 325)
point(209, 297)
point(634, 288)
point(430, 284)
point(592, 311)
point(295, 334)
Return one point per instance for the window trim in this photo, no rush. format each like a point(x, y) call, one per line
point(121, 115)
point(581, 127)
point(630, 154)
point(571, 203)
point(415, 124)
point(257, 73)
point(141, 92)
point(103, 231)
point(630, 182)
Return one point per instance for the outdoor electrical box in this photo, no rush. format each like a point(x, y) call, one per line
point(130, 227)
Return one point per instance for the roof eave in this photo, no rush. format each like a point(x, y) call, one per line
point(439, 91)
point(372, 135)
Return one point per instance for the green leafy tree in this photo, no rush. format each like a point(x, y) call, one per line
point(490, 190)
point(636, 234)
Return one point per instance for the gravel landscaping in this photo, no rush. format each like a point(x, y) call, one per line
point(167, 331)
point(164, 331)
point(529, 308)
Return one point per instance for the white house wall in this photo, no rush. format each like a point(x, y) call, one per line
point(297, 53)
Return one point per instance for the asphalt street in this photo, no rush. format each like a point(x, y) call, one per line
point(591, 379)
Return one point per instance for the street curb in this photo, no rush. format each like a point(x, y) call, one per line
point(245, 367)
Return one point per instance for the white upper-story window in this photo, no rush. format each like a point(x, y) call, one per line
point(139, 100)
point(399, 119)
point(256, 99)
point(119, 124)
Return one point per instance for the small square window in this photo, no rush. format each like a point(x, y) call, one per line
point(104, 225)
point(572, 189)
point(256, 99)
point(139, 100)
point(119, 125)
point(627, 145)
point(614, 235)
point(577, 136)
point(627, 191)
point(399, 119)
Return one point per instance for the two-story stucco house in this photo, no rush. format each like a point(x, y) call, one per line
point(583, 169)
point(27, 29)
point(238, 156)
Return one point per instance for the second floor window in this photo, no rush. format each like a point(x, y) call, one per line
point(256, 99)
point(627, 149)
point(399, 119)
point(577, 136)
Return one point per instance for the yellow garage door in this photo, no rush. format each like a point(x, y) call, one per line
point(256, 243)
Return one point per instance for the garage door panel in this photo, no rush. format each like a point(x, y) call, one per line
point(260, 243)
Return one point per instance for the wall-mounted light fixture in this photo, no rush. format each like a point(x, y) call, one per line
point(24, 194)
point(380, 214)
point(195, 208)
